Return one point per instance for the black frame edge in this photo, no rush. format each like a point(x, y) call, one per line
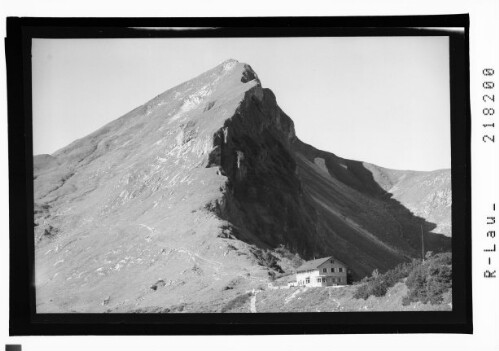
point(23, 320)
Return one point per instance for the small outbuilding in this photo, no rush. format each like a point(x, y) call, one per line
point(326, 271)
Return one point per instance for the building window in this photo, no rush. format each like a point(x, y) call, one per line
point(319, 280)
point(341, 269)
point(332, 261)
point(332, 270)
point(324, 270)
point(307, 280)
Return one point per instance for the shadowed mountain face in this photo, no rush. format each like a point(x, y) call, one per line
point(205, 192)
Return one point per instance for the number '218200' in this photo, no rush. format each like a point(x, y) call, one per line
point(489, 100)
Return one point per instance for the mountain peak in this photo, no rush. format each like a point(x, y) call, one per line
point(207, 100)
point(230, 61)
point(236, 67)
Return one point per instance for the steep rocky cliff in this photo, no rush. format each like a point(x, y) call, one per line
point(205, 192)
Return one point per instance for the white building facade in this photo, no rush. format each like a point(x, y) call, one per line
point(326, 271)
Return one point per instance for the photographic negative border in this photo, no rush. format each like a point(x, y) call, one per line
point(23, 317)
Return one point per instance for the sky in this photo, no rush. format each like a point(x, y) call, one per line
point(382, 100)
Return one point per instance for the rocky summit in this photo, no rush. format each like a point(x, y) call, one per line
point(204, 193)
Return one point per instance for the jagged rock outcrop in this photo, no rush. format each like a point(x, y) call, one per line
point(206, 189)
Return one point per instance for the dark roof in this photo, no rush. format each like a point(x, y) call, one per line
point(314, 264)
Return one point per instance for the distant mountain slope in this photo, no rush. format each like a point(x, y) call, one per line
point(426, 194)
point(199, 195)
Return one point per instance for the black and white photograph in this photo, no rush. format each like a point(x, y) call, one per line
point(251, 179)
point(249, 176)
point(242, 175)
point(254, 175)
